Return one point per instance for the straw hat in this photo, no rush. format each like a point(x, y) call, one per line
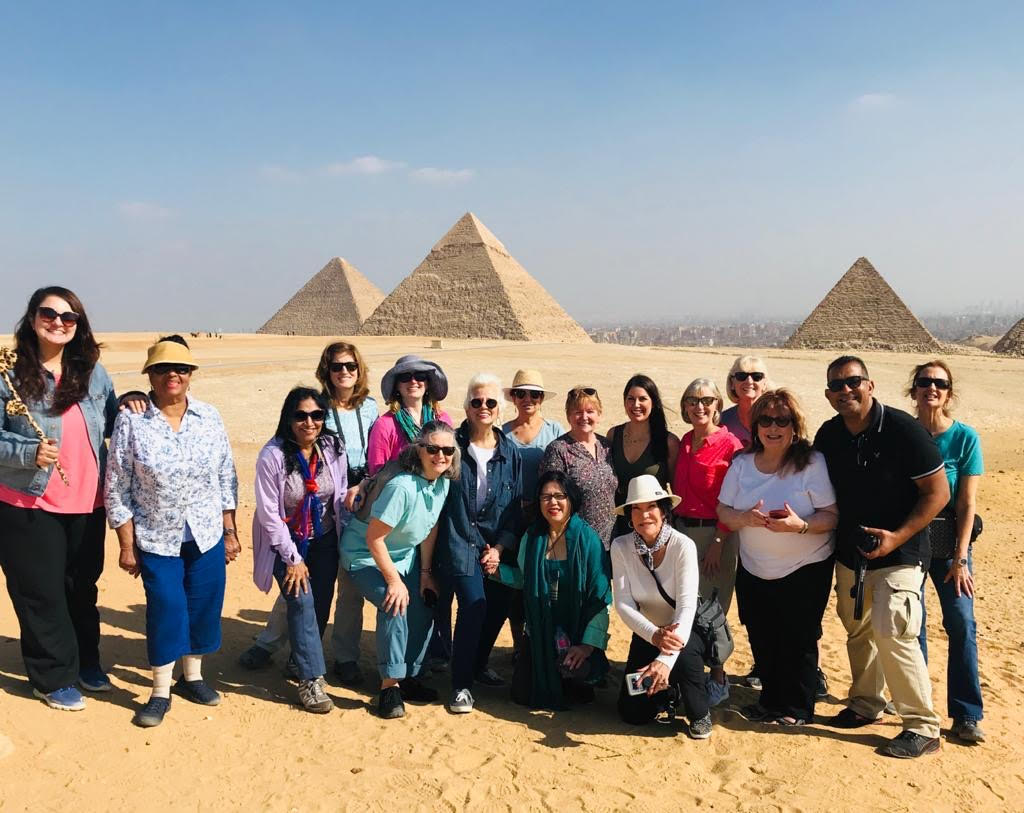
point(646, 488)
point(437, 382)
point(528, 380)
point(169, 352)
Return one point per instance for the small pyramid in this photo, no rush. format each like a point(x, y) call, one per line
point(469, 286)
point(333, 303)
point(862, 311)
point(1012, 343)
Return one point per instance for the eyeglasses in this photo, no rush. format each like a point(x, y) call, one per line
point(853, 381)
point(301, 416)
point(576, 392)
point(553, 496)
point(782, 421)
point(433, 449)
point(422, 377)
point(533, 395)
point(939, 383)
point(50, 315)
point(476, 403)
point(741, 375)
point(338, 366)
point(706, 401)
point(167, 369)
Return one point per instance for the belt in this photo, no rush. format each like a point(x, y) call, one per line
point(694, 522)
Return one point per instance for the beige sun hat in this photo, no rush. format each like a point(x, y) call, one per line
point(528, 380)
point(646, 488)
point(169, 352)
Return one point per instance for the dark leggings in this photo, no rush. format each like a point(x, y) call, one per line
point(687, 676)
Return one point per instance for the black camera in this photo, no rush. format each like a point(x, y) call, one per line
point(356, 474)
point(866, 543)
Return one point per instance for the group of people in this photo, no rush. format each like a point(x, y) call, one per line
point(522, 522)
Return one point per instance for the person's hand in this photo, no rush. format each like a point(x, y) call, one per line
point(296, 578)
point(658, 673)
point(712, 561)
point(667, 640)
point(888, 542)
point(232, 547)
point(428, 582)
point(396, 598)
point(789, 524)
point(755, 517)
point(47, 453)
point(352, 497)
point(963, 580)
point(491, 559)
point(128, 560)
point(135, 405)
point(577, 656)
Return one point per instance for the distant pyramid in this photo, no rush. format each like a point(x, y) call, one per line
point(333, 303)
point(1012, 344)
point(862, 311)
point(469, 286)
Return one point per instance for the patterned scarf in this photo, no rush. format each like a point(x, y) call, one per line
point(304, 522)
point(409, 427)
point(646, 552)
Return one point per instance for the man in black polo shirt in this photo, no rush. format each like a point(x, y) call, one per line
point(890, 482)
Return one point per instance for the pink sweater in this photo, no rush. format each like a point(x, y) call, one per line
point(387, 439)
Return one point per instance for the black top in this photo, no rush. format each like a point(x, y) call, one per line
point(873, 474)
point(647, 463)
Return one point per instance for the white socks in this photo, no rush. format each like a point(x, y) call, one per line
point(192, 667)
point(162, 680)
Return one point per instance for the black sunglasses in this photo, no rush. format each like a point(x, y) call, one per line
point(420, 376)
point(853, 381)
point(707, 401)
point(940, 383)
point(764, 421)
point(534, 395)
point(167, 369)
point(476, 403)
point(578, 391)
point(432, 448)
point(316, 416)
point(50, 315)
point(338, 366)
point(741, 375)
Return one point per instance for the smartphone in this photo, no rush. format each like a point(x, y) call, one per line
point(635, 683)
point(778, 513)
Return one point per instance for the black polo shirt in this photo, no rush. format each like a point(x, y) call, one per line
point(873, 474)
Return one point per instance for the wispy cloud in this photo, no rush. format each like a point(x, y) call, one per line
point(874, 101)
point(441, 176)
point(364, 165)
point(143, 211)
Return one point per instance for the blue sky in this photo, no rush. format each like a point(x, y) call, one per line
point(189, 166)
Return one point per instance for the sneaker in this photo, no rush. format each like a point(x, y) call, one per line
point(848, 718)
point(389, 704)
point(94, 679)
point(488, 677)
point(437, 664)
point(752, 679)
point(66, 699)
point(909, 745)
point(821, 690)
point(756, 713)
point(291, 669)
point(313, 697)
point(717, 692)
point(255, 657)
point(968, 730)
point(461, 703)
point(415, 691)
point(701, 729)
point(348, 673)
point(196, 691)
point(152, 714)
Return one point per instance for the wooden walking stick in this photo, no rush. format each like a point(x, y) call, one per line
point(15, 406)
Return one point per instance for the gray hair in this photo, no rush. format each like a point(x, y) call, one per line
point(409, 457)
point(696, 386)
point(489, 380)
point(749, 364)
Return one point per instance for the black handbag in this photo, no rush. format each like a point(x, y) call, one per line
point(942, 533)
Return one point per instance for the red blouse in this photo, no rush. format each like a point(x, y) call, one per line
point(698, 476)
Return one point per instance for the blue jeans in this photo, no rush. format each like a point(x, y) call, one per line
point(483, 608)
point(303, 631)
point(963, 687)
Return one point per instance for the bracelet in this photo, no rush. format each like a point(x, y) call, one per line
point(229, 532)
point(426, 570)
point(806, 527)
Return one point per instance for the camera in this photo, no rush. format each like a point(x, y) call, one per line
point(356, 474)
point(866, 543)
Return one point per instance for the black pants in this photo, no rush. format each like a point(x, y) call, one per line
point(322, 562)
point(687, 677)
point(52, 563)
point(783, 620)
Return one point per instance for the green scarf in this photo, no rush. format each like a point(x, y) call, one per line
point(411, 430)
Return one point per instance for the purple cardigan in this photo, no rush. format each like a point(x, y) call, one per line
point(270, 535)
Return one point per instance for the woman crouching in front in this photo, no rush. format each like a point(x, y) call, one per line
point(654, 570)
point(380, 554)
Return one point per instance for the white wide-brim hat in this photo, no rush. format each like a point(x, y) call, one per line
point(646, 488)
point(528, 380)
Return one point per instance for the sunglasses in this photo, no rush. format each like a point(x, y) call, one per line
point(764, 421)
point(533, 395)
point(553, 496)
point(740, 375)
point(854, 381)
point(405, 378)
point(167, 369)
point(939, 383)
point(707, 401)
point(432, 449)
point(301, 416)
point(578, 391)
point(476, 403)
point(338, 366)
point(50, 315)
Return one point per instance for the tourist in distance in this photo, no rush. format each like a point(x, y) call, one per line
point(778, 497)
point(480, 522)
point(351, 413)
point(566, 592)
point(747, 380)
point(952, 533)
point(390, 560)
point(890, 483)
point(642, 445)
point(705, 453)
point(52, 521)
point(170, 493)
point(301, 480)
point(664, 652)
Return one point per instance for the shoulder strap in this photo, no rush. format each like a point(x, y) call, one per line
point(372, 487)
point(359, 420)
point(671, 601)
point(337, 424)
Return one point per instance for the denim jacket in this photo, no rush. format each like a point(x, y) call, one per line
point(19, 443)
point(463, 531)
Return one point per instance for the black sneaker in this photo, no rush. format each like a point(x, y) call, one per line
point(348, 673)
point(848, 718)
point(488, 677)
point(152, 714)
point(198, 691)
point(389, 704)
point(255, 657)
point(909, 745)
point(415, 691)
point(821, 690)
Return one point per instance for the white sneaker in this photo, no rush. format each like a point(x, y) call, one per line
point(461, 703)
point(717, 692)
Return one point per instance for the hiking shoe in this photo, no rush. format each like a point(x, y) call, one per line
point(290, 669)
point(909, 745)
point(752, 679)
point(488, 677)
point(313, 697)
point(389, 704)
point(968, 730)
point(717, 692)
point(348, 673)
point(94, 679)
point(196, 691)
point(701, 729)
point(848, 718)
point(821, 690)
point(152, 714)
point(461, 702)
point(255, 657)
point(66, 699)
point(415, 691)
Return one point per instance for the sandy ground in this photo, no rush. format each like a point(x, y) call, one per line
point(258, 749)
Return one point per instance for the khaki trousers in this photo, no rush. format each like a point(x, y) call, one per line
point(883, 646)
point(725, 579)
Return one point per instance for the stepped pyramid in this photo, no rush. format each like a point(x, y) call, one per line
point(862, 311)
point(469, 286)
point(1012, 344)
point(333, 303)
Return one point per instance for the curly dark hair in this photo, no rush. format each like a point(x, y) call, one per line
point(284, 424)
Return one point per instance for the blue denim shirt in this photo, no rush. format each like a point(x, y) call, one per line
point(463, 531)
point(18, 441)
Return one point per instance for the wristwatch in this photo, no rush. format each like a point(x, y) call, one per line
point(961, 562)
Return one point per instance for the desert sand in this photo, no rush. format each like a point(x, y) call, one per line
point(259, 750)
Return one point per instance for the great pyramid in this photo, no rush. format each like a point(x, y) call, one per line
point(333, 303)
point(469, 286)
point(1012, 344)
point(862, 311)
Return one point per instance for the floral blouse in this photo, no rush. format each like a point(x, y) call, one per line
point(595, 477)
point(164, 479)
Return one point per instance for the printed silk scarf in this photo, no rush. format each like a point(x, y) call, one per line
point(304, 522)
point(411, 430)
point(646, 552)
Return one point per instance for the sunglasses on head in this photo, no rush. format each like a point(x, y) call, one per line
point(476, 403)
point(741, 375)
point(553, 496)
point(924, 383)
point(782, 421)
point(707, 401)
point(50, 315)
point(338, 366)
point(578, 391)
point(534, 395)
point(167, 369)
point(420, 376)
point(853, 381)
point(433, 449)
point(301, 416)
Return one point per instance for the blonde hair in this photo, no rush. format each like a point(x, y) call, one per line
point(747, 364)
point(692, 389)
point(947, 408)
point(578, 398)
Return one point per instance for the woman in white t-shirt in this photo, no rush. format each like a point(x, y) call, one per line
point(778, 495)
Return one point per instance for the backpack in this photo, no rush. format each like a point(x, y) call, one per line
point(371, 487)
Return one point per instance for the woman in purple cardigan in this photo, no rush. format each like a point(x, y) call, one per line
point(301, 479)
